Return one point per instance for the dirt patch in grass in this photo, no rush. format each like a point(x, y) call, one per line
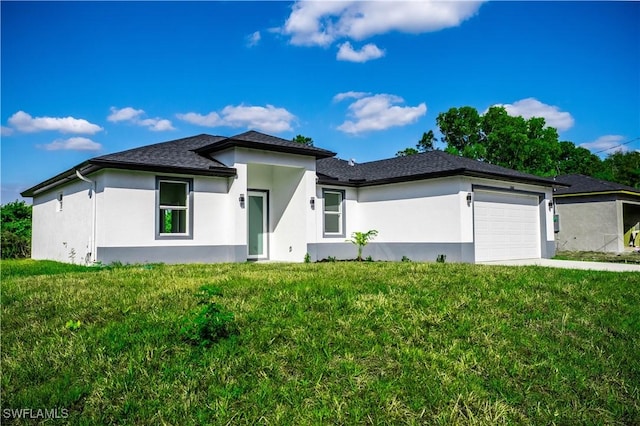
point(631, 257)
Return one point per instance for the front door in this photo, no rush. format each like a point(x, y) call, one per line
point(258, 230)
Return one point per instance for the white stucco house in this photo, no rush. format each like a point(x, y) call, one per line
point(253, 196)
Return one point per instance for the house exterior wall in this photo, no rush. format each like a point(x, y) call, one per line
point(64, 235)
point(127, 221)
point(290, 182)
point(420, 220)
point(591, 226)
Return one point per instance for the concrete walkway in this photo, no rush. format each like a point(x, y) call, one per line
point(569, 264)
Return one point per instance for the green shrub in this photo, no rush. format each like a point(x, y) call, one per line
point(16, 230)
point(441, 258)
point(405, 259)
point(307, 258)
point(14, 246)
point(211, 323)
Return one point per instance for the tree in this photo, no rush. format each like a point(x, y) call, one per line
point(303, 140)
point(407, 151)
point(424, 144)
point(622, 167)
point(461, 131)
point(361, 239)
point(527, 145)
point(578, 160)
point(16, 230)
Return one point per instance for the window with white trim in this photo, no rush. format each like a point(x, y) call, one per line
point(333, 212)
point(173, 207)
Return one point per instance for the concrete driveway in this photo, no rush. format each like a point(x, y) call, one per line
point(569, 264)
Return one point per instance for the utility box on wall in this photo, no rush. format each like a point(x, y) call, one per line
point(556, 223)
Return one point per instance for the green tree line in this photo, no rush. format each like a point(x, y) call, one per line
point(526, 145)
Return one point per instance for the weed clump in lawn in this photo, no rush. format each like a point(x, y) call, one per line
point(211, 323)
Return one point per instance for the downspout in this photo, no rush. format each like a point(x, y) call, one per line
point(93, 215)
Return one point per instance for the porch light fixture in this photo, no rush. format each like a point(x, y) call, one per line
point(312, 203)
point(550, 205)
point(241, 199)
point(469, 198)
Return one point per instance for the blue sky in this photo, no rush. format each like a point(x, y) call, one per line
point(363, 79)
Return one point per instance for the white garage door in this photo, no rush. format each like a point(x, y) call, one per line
point(506, 226)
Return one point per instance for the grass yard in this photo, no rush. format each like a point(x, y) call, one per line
point(324, 343)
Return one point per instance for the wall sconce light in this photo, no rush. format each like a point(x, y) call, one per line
point(312, 203)
point(550, 205)
point(241, 199)
point(469, 198)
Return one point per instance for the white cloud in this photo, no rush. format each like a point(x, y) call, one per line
point(72, 144)
point(531, 107)
point(378, 112)
point(605, 143)
point(267, 119)
point(351, 94)
point(253, 39)
point(368, 52)
point(124, 114)
point(134, 116)
point(210, 120)
point(6, 131)
point(316, 23)
point(157, 124)
point(28, 124)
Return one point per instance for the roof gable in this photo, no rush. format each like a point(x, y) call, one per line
point(257, 140)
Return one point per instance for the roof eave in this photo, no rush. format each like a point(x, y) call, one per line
point(587, 194)
point(91, 166)
point(518, 179)
point(434, 175)
point(123, 165)
point(59, 179)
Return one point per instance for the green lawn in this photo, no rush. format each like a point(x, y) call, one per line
point(324, 343)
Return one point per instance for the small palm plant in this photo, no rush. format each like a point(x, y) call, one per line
point(361, 239)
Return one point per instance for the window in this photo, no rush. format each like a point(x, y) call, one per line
point(173, 207)
point(59, 203)
point(333, 213)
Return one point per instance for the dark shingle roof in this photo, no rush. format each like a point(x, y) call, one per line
point(177, 156)
point(192, 156)
point(257, 140)
point(176, 153)
point(413, 167)
point(581, 184)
